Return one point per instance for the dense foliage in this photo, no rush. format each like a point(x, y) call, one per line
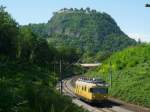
point(130, 74)
point(91, 31)
point(27, 73)
point(8, 34)
point(30, 88)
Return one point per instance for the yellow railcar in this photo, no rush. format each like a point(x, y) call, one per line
point(91, 90)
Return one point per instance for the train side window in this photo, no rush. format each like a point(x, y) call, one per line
point(83, 88)
point(91, 90)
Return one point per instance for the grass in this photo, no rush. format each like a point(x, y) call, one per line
point(130, 74)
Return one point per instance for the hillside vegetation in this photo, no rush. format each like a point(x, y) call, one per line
point(29, 70)
point(94, 33)
point(130, 74)
point(30, 88)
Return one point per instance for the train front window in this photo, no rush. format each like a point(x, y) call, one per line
point(99, 90)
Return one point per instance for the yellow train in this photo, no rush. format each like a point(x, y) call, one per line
point(91, 90)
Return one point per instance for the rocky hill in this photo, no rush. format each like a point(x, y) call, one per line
point(91, 31)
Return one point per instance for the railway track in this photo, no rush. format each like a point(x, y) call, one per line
point(103, 107)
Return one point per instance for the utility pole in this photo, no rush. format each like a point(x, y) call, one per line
point(110, 75)
point(61, 83)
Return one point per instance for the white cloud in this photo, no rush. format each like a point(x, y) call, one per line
point(142, 37)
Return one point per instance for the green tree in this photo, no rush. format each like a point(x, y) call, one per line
point(68, 55)
point(42, 53)
point(27, 43)
point(8, 34)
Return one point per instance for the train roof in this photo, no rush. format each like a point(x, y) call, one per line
point(92, 82)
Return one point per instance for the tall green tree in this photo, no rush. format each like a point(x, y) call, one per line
point(43, 54)
point(27, 44)
point(68, 54)
point(8, 34)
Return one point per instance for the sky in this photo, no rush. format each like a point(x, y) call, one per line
point(131, 15)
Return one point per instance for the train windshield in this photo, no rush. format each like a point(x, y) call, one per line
point(99, 90)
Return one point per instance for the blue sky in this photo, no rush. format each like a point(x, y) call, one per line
point(131, 15)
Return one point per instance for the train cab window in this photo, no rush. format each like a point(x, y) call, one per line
point(99, 90)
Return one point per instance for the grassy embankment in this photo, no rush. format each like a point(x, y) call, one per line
point(130, 74)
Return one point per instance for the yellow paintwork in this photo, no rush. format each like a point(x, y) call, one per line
point(84, 94)
point(82, 89)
